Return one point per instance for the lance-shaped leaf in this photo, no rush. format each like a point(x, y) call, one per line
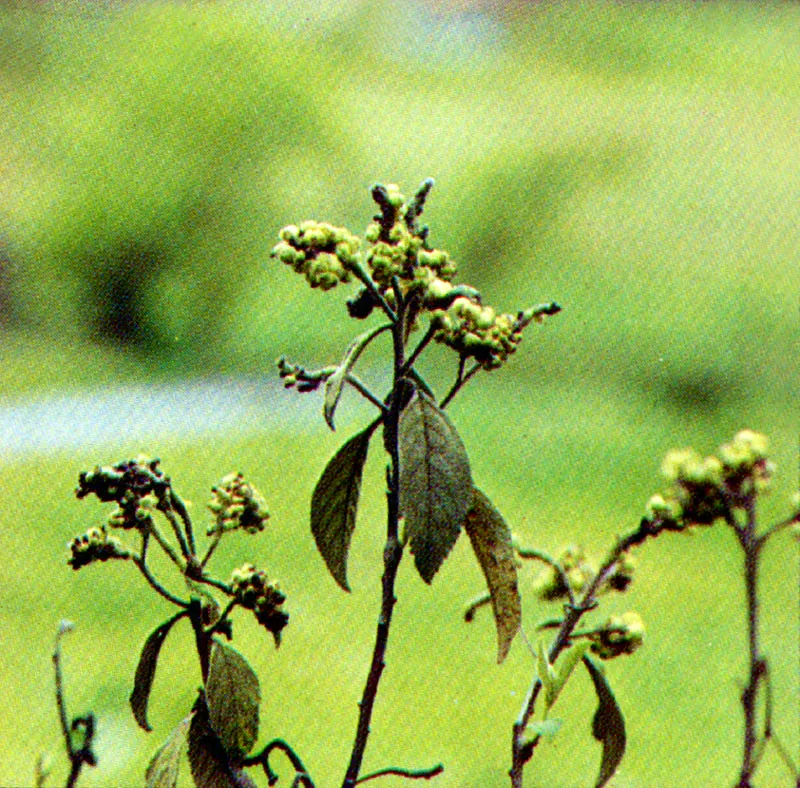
point(334, 504)
point(211, 765)
point(162, 771)
point(563, 670)
point(547, 728)
point(435, 482)
point(490, 537)
point(146, 670)
point(233, 697)
point(608, 724)
point(334, 384)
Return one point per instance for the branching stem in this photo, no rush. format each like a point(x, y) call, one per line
point(522, 750)
point(411, 774)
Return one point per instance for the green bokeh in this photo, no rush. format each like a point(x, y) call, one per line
point(637, 163)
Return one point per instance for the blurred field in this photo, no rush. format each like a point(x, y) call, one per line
point(640, 164)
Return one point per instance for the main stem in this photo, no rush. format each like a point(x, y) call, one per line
point(392, 554)
point(751, 546)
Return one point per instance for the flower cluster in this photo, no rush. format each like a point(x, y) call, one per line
point(707, 488)
point(236, 504)
point(324, 254)
point(131, 479)
point(397, 252)
point(95, 545)
point(252, 590)
point(619, 635)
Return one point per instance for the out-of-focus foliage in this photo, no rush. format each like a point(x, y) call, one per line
point(634, 162)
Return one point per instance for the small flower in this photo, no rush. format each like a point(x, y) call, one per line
point(130, 480)
point(237, 504)
point(619, 635)
point(95, 545)
point(255, 592)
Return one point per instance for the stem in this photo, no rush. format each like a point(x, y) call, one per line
point(522, 750)
point(176, 528)
point(392, 552)
point(359, 386)
point(460, 381)
point(410, 774)
point(145, 570)
point(301, 775)
point(178, 505)
point(163, 543)
point(751, 546)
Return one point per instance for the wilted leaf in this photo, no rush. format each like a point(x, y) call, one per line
point(162, 771)
point(435, 482)
point(334, 504)
point(146, 670)
point(491, 540)
point(563, 670)
point(547, 728)
point(334, 384)
point(211, 766)
point(233, 697)
point(608, 724)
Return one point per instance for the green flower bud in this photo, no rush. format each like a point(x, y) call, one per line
point(95, 545)
point(236, 504)
point(619, 635)
point(579, 572)
point(622, 576)
point(254, 591)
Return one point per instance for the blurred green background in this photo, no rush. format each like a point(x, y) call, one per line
point(638, 163)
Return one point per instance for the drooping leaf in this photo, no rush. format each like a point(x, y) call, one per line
point(563, 670)
point(491, 541)
point(435, 482)
point(334, 504)
point(211, 765)
point(608, 724)
point(162, 771)
point(334, 384)
point(233, 697)
point(146, 670)
point(546, 728)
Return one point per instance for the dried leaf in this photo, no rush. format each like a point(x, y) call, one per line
point(435, 482)
point(490, 537)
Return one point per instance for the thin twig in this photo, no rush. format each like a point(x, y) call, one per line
point(362, 389)
point(151, 528)
point(461, 380)
point(180, 507)
point(411, 774)
point(148, 575)
point(529, 553)
point(176, 528)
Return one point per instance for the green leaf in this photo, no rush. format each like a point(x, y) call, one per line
point(146, 670)
point(608, 724)
point(334, 504)
point(233, 697)
point(545, 671)
point(563, 670)
point(547, 728)
point(491, 541)
point(435, 482)
point(162, 771)
point(211, 765)
point(334, 384)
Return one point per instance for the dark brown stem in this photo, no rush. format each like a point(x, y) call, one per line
point(751, 546)
point(392, 553)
